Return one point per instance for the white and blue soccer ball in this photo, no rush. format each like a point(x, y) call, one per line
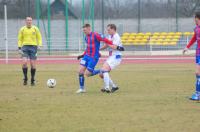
point(51, 83)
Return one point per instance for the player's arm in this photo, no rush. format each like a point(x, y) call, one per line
point(191, 42)
point(104, 47)
point(81, 56)
point(39, 37)
point(20, 41)
point(108, 42)
point(20, 38)
point(101, 38)
point(115, 47)
point(117, 41)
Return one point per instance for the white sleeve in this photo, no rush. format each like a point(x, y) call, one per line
point(117, 41)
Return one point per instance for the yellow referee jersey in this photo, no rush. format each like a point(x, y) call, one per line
point(29, 36)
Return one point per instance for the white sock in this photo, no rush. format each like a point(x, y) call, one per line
point(106, 79)
point(112, 83)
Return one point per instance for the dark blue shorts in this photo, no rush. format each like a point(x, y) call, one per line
point(198, 60)
point(29, 51)
point(89, 62)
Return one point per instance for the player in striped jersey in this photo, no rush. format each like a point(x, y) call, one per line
point(196, 38)
point(91, 55)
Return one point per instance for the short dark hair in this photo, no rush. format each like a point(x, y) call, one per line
point(112, 26)
point(86, 25)
point(197, 14)
point(29, 17)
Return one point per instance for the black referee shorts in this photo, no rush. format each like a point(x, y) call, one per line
point(29, 51)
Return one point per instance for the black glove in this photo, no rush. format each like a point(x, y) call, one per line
point(79, 57)
point(120, 48)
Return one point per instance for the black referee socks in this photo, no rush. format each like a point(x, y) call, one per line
point(33, 74)
point(25, 69)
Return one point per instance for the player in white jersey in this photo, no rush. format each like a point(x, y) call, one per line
point(114, 59)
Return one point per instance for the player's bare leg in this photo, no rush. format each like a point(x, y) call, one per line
point(197, 69)
point(25, 69)
point(33, 71)
point(88, 73)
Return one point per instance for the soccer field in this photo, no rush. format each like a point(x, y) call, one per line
point(152, 98)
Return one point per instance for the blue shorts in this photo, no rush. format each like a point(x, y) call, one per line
point(29, 51)
point(89, 62)
point(198, 60)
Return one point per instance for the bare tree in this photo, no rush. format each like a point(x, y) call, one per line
point(112, 8)
point(188, 7)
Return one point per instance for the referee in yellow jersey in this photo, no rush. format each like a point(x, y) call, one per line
point(29, 39)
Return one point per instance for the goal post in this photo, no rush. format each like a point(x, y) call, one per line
point(6, 33)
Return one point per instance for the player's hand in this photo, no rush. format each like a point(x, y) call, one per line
point(79, 57)
point(20, 51)
point(120, 48)
point(39, 48)
point(185, 50)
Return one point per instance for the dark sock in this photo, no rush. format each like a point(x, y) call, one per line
point(33, 74)
point(25, 69)
point(197, 83)
point(81, 81)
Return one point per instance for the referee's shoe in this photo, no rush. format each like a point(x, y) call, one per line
point(32, 82)
point(25, 81)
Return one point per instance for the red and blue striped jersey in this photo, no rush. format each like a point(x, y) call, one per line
point(93, 44)
point(195, 37)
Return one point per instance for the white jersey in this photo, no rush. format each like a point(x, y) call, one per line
point(114, 58)
point(116, 41)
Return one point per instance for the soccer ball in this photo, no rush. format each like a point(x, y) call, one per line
point(51, 83)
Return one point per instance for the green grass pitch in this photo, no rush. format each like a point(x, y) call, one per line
point(152, 98)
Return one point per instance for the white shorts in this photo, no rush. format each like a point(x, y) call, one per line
point(113, 61)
